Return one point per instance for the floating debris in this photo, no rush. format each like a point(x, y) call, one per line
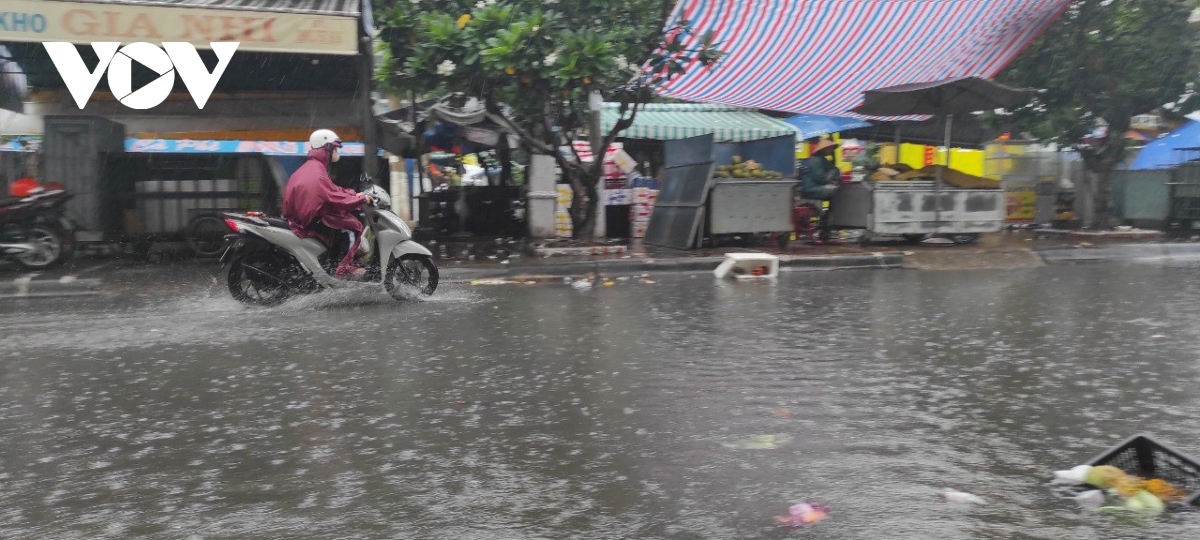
point(960, 497)
point(802, 514)
point(490, 282)
point(760, 442)
point(1074, 475)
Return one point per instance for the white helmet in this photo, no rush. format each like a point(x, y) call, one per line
point(322, 137)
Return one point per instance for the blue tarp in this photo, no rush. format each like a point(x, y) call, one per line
point(816, 125)
point(1179, 146)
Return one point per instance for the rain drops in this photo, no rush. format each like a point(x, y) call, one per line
point(446, 68)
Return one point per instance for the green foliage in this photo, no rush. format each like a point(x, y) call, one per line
point(1103, 62)
point(542, 59)
point(1107, 60)
point(530, 54)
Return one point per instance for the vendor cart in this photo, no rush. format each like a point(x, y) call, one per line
point(915, 208)
point(741, 206)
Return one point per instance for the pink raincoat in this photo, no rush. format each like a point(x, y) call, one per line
point(311, 194)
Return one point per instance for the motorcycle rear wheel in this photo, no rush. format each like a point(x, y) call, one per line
point(54, 247)
point(257, 278)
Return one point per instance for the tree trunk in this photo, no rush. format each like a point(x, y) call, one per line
point(1101, 163)
point(584, 185)
point(504, 155)
point(1105, 217)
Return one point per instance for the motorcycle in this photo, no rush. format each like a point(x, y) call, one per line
point(34, 230)
point(265, 263)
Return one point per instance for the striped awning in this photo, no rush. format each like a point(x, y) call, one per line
point(668, 121)
point(819, 56)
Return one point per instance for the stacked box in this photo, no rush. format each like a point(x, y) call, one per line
point(616, 162)
point(562, 211)
point(640, 209)
point(616, 197)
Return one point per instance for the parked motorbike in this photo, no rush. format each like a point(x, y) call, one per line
point(266, 263)
point(35, 231)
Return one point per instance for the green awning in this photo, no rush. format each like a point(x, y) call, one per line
point(668, 121)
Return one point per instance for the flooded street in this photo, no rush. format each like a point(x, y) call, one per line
point(542, 411)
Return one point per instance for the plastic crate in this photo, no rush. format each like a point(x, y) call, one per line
point(1143, 456)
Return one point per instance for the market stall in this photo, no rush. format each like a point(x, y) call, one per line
point(465, 182)
point(711, 162)
point(935, 200)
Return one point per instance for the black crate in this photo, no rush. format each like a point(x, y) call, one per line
point(1145, 457)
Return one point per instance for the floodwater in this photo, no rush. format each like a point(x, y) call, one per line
point(542, 411)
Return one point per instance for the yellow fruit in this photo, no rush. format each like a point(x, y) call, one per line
point(462, 21)
point(1105, 476)
point(1164, 490)
point(510, 70)
point(1128, 486)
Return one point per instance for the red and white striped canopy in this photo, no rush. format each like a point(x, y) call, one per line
point(818, 56)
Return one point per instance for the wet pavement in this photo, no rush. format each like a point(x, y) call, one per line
point(162, 409)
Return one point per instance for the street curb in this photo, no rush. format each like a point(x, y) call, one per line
point(29, 287)
point(1119, 252)
point(694, 264)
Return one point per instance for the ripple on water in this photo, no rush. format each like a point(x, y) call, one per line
point(540, 412)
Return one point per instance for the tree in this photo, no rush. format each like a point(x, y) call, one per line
point(1103, 62)
point(536, 63)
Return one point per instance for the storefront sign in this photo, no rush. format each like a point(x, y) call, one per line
point(270, 148)
point(20, 143)
point(82, 22)
point(1020, 203)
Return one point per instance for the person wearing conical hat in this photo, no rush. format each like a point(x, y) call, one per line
point(820, 179)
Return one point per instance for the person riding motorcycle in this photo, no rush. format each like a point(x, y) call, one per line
point(317, 208)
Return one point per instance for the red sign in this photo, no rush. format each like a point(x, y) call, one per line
point(930, 155)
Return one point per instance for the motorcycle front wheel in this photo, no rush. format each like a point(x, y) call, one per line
point(53, 247)
point(257, 278)
point(411, 274)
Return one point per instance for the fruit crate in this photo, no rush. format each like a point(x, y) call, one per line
point(1143, 456)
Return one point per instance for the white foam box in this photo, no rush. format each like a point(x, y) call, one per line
point(623, 161)
point(748, 266)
